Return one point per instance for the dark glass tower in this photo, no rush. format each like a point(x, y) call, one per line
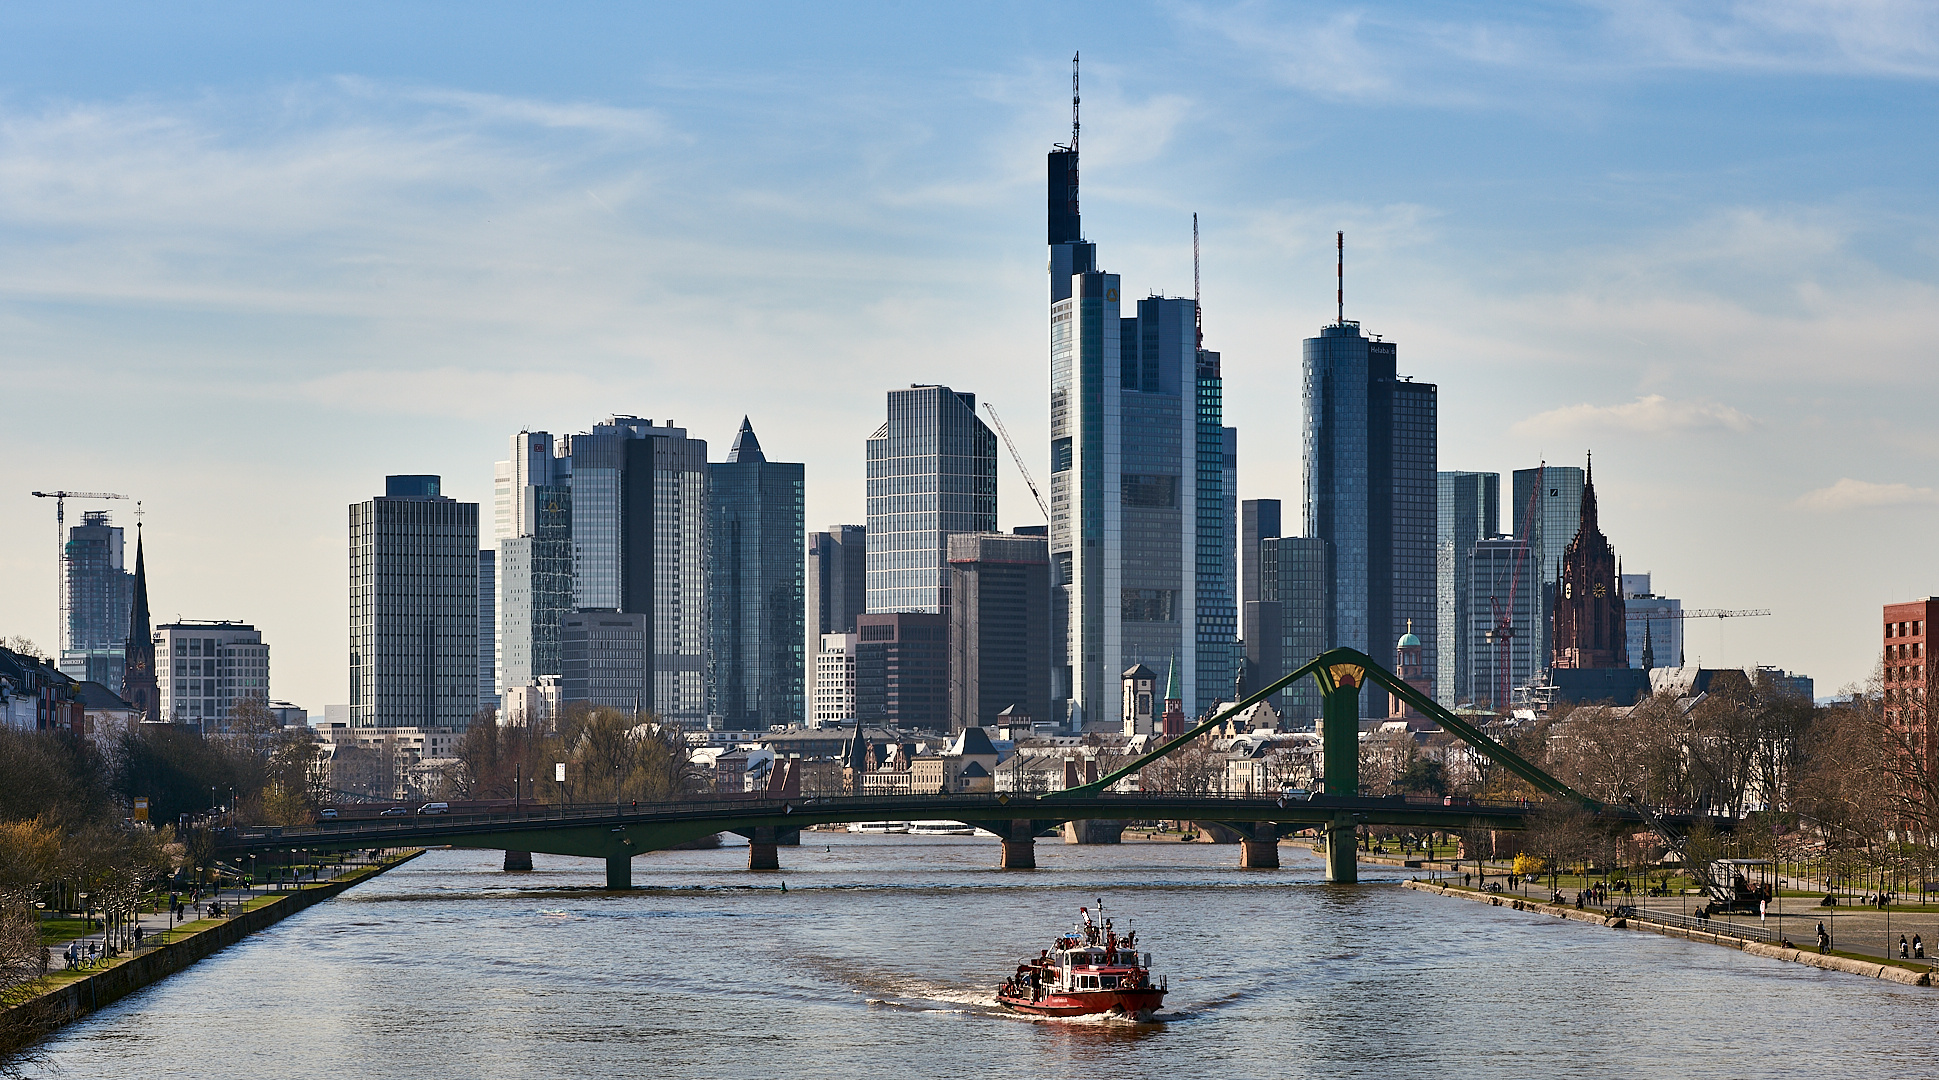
point(1370, 491)
point(1469, 511)
point(755, 522)
point(931, 473)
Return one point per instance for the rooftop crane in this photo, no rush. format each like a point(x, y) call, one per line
point(1697, 613)
point(1028, 480)
point(60, 547)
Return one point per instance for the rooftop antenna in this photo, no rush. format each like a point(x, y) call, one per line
point(1340, 274)
point(1198, 310)
point(1074, 100)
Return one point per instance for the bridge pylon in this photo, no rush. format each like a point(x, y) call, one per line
point(1340, 685)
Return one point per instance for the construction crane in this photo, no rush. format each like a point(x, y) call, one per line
point(1028, 480)
point(1698, 613)
point(60, 547)
point(1504, 631)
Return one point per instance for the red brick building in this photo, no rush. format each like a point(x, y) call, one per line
point(1908, 677)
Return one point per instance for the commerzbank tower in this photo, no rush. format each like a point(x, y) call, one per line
point(1142, 484)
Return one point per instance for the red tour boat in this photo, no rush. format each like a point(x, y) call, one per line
point(1090, 972)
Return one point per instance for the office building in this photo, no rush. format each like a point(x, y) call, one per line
point(487, 629)
point(639, 545)
point(99, 593)
point(999, 627)
point(1370, 461)
point(206, 669)
point(834, 701)
point(902, 669)
point(533, 536)
point(1547, 513)
point(1504, 628)
point(1468, 512)
point(837, 584)
point(755, 588)
point(413, 608)
point(1296, 610)
point(1140, 519)
point(1655, 625)
point(931, 473)
point(604, 659)
point(1590, 625)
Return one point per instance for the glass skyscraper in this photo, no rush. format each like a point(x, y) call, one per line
point(534, 567)
point(1469, 511)
point(931, 473)
point(1496, 596)
point(1547, 513)
point(1142, 557)
point(755, 621)
point(99, 593)
point(1370, 490)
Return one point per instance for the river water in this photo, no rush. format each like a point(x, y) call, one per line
point(881, 957)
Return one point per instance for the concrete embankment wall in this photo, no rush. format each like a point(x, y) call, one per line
point(1869, 968)
point(62, 1006)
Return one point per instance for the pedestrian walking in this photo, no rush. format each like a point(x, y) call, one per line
point(1824, 940)
point(1918, 948)
point(1905, 950)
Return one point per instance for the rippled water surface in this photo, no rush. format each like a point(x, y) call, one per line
point(881, 957)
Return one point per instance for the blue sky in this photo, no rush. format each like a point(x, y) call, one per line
point(252, 260)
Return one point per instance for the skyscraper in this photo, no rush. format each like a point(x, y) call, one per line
point(1469, 512)
point(639, 545)
point(602, 655)
point(1140, 521)
point(1370, 490)
point(837, 585)
point(931, 472)
point(755, 587)
point(413, 607)
point(99, 593)
point(1296, 581)
point(999, 627)
point(1547, 513)
point(902, 669)
point(1503, 632)
point(487, 628)
point(533, 533)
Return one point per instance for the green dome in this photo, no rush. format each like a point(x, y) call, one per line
point(1409, 641)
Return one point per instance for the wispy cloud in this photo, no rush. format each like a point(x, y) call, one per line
point(1849, 494)
point(1651, 415)
point(1872, 37)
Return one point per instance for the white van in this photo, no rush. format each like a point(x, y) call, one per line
point(435, 808)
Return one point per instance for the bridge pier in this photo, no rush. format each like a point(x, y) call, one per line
point(1019, 854)
point(762, 842)
point(518, 860)
point(1342, 864)
point(1094, 831)
point(1258, 854)
point(619, 872)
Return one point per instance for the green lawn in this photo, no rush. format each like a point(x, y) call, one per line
point(56, 931)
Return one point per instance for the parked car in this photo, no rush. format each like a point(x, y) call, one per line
point(328, 813)
point(435, 808)
point(395, 811)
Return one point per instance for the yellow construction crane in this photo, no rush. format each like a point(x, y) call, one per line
point(60, 564)
point(1021, 467)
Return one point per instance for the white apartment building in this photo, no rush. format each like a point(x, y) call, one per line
point(206, 669)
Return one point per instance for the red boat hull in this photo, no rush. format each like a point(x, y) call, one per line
point(1138, 1004)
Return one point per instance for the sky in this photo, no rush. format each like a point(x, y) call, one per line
point(254, 258)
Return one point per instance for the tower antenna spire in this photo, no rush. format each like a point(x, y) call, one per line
point(1198, 309)
point(1075, 100)
point(1340, 274)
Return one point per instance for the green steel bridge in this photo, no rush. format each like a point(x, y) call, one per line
point(1337, 809)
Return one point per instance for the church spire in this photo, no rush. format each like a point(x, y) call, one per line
point(139, 687)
